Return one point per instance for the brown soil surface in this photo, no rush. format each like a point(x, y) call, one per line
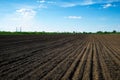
point(60, 57)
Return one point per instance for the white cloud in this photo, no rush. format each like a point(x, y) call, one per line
point(22, 17)
point(73, 17)
point(107, 5)
point(72, 3)
point(26, 13)
point(46, 1)
point(42, 4)
point(68, 4)
point(41, 1)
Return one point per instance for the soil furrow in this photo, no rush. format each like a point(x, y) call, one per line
point(60, 57)
point(78, 74)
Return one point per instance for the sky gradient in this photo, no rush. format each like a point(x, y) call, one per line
point(60, 15)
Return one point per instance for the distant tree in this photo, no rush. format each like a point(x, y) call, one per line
point(99, 32)
point(84, 32)
point(106, 32)
point(89, 32)
point(114, 31)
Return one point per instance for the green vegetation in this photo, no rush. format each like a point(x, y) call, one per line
point(105, 32)
point(31, 33)
point(37, 33)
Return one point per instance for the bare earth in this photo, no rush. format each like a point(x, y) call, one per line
point(60, 57)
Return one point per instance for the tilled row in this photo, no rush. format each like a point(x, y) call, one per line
point(73, 57)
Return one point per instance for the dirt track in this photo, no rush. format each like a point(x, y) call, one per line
point(60, 57)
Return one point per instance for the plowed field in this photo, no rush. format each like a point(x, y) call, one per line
point(60, 57)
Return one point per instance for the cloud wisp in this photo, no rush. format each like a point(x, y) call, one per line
point(72, 3)
point(43, 4)
point(26, 13)
point(41, 1)
point(73, 17)
point(107, 5)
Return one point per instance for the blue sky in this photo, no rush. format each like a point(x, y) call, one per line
point(60, 15)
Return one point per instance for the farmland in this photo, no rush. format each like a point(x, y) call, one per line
point(60, 57)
